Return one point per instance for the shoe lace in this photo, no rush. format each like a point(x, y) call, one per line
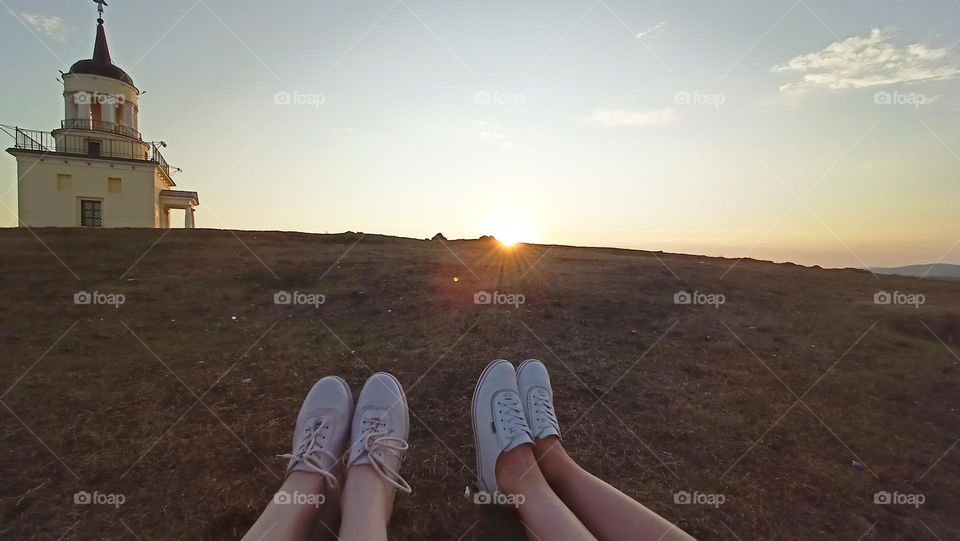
point(311, 451)
point(374, 436)
point(543, 411)
point(512, 419)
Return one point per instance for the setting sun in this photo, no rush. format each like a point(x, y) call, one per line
point(511, 226)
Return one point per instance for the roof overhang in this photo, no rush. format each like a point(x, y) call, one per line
point(179, 198)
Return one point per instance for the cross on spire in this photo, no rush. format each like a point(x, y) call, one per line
point(100, 4)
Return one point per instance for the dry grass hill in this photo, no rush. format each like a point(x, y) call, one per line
point(797, 399)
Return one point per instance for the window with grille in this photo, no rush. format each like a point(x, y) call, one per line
point(91, 213)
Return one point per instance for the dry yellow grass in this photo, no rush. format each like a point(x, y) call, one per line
point(654, 397)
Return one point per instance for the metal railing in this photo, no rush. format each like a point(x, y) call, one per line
point(33, 140)
point(157, 157)
point(78, 143)
point(99, 125)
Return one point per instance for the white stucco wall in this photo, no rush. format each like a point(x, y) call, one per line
point(42, 204)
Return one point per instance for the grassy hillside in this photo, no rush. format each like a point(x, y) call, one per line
point(179, 398)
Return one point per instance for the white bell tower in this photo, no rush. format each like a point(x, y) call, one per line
point(99, 96)
point(95, 169)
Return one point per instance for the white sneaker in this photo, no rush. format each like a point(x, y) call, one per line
point(323, 425)
point(533, 381)
point(381, 426)
point(498, 420)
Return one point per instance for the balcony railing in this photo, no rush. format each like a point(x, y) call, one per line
point(99, 125)
point(76, 142)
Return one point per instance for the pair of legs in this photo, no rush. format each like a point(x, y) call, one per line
point(517, 441)
point(520, 457)
point(562, 501)
point(331, 435)
point(366, 504)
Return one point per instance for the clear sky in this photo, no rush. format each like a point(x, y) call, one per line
point(813, 131)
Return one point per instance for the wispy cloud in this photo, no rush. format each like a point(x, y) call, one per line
point(651, 30)
point(491, 132)
point(50, 26)
point(612, 118)
point(863, 62)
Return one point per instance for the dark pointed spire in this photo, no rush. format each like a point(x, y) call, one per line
point(101, 53)
point(101, 64)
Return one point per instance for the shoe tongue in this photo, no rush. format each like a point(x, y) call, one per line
point(519, 429)
point(518, 441)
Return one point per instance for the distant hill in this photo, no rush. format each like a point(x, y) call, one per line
point(935, 270)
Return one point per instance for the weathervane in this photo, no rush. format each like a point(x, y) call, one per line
point(100, 4)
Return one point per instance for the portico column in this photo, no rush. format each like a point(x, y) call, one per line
point(189, 221)
point(165, 218)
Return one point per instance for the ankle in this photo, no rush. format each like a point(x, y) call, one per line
point(308, 483)
point(375, 487)
point(517, 470)
point(550, 455)
point(365, 489)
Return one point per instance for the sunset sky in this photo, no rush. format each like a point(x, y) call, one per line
point(812, 131)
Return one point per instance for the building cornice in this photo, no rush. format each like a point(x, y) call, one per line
point(42, 154)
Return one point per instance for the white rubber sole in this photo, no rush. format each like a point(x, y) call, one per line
point(473, 421)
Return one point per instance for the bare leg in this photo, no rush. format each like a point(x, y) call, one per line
point(543, 514)
point(367, 504)
point(305, 504)
point(607, 512)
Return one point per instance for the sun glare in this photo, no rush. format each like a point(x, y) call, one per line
point(511, 227)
